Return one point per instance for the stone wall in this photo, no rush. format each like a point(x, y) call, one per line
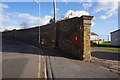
point(67, 30)
point(73, 36)
point(27, 35)
point(47, 35)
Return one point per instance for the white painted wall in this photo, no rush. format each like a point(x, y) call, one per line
point(94, 37)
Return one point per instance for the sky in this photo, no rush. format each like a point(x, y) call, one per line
point(105, 14)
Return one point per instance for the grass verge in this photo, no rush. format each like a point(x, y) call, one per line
point(108, 48)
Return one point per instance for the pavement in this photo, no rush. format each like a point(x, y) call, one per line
point(20, 60)
point(70, 67)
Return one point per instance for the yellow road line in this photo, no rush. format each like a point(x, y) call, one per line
point(44, 64)
point(39, 66)
point(45, 73)
point(42, 61)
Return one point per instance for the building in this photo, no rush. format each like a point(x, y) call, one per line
point(115, 38)
point(94, 36)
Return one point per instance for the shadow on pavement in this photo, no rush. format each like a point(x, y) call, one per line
point(106, 55)
point(20, 47)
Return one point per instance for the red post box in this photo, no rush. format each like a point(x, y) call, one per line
point(76, 39)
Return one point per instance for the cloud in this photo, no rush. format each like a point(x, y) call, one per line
point(106, 16)
point(5, 18)
point(21, 17)
point(3, 14)
point(45, 20)
point(92, 23)
point(52, 11)
point(35, 20)
point(87, 5)
point(9, 27)
point(65, 1)
point(3, 6)
point(119, 6)
point(14, 18)
point(110, 8)
point(28, 17)
point(81, 1)
point(72, 13)
point(78, 14)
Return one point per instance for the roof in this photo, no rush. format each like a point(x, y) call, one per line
point(115, 31)
point(92, 33)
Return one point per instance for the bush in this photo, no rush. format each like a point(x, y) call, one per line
point(104, 44)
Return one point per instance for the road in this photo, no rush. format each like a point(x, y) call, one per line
point(20, 60)
point(107, 59)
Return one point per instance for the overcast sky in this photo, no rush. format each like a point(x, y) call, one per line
point(105, 14)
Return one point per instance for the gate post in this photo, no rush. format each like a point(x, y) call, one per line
point(85, 30)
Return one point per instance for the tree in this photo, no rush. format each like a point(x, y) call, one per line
point(6, 30)
point(24, 25)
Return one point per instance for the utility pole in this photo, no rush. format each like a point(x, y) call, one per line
point(54, 4)
point(108, 38)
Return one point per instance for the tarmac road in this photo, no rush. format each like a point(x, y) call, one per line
point(20, 60)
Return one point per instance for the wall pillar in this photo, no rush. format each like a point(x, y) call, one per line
point(85, 29)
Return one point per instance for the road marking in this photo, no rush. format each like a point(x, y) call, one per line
point(45, 73)
point(44, 64)
point(39, 66)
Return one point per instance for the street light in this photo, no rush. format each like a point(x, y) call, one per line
point(56, 30)
point(39, 16)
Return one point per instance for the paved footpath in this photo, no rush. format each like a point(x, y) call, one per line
point(67, 66)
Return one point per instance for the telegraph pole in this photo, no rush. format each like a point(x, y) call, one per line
point(54, 4)
point(108, 38)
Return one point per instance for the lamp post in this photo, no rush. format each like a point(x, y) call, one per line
point(56, 30)
point(39, 16)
